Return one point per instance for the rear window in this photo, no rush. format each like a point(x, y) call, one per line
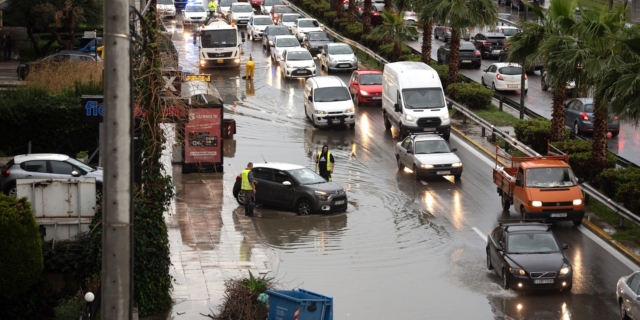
point(510, 71)
point(279, 31)
point(8, 164)
point(318, 36)
point(467, 46)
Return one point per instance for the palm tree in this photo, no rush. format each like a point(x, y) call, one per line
point(534, 42)
point(366, 17)
point(461, 14)
point(424, 19)
point(393, 28)
point(340, 9)
point(352, 11)
point(387, 5)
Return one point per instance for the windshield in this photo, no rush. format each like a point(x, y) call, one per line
point(308, 24)
point(291, 17)
point(331, 94)
point(282, 9)
point(272, 2)
point(219, 38)
point(510, 71)
point(194, 9)
point(435, 146)
point(370, 79)
point(241, 9)
point(467, 46)
point(550, 177)
point(423, 98)
point(508, 32)
point(287, 42)
point(318, 36)
point(305, 176)
point(279, 31)
point(299, 55)
point(532, 243)
point(80, 165)
point(263, 21)
point(340, 50)
point(165, 2)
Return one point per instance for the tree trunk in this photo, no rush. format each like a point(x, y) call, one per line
point(601, 117)
point(454, 53)
point(557, 120)
point(68, 45)
point(317, 1)
point(366, 17)
point(427, 28)
point(340, 9)
point(397, 50)
point(34, 42)
point(387, 5)
point(352, 11)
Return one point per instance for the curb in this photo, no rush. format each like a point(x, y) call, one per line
point(477, 145)
point(606, 237)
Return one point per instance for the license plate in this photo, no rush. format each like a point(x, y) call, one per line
point(496, 51)
point(542, 281)
point(376, 98)
point(429, 129)
point(558, 215)
point(444, 173)
point(513, 85)
point(220, 61)
point(339, 202)
point(466, 61)
point(300, 72)
point(344, 65)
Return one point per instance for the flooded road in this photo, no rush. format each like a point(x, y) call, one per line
point(404, 248)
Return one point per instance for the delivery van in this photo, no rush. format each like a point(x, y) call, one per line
point(327, 102)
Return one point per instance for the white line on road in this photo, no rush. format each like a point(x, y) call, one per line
point(482, 236)
point(473, 150)
point(615, 253)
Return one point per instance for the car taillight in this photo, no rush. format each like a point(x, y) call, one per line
point(413, 14)
point(499, 77)
point(448, 30)
point(376, 14)
point(615, 118)
point(584, 116)
point(5, 173)
point(478, 53)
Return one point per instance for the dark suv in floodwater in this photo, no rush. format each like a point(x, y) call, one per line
point(294, 187)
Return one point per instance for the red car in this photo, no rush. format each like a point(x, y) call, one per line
point(366, 86)
point(255, 3)
point(278, 10)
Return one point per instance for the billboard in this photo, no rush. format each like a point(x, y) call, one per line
point(202, 134)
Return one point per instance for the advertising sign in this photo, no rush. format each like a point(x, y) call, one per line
point(202, 134)
point(198, 77)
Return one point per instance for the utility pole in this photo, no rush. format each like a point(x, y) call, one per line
point(117, 191)
point(522, 89)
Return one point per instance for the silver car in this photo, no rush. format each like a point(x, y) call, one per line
point(579, 117)
point(428, 154)
point(45, 166)
point(294, 187)
point(627, 294)
point(338, 56)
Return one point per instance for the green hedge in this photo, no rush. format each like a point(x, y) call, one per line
point(609, 180)
point(354, 31)
point(535, 133)
point(330, 16)
point(410, 57)
point(52, 123)
point(443, 73)
point(473, 95)
point(583, 166)
point(340, 24)
point(386, 50)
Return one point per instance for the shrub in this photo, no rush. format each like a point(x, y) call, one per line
point(583, 166)
point(240, 299)
point(386, 50)
point(306, 4)
point(370, 41)
point(573, 146)
point(473, 95)
point(609, 180)
point(21, 254)
point(320, 8)
point(354, 31)
point(535, 133)
point(337, 23)
point(72, 78)
point(69, 309)
point(330, 16)
point(443, 73)
point(410, 57)
point(343, 26)
point(629, 195)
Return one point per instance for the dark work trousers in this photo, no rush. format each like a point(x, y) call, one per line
point(249, 202)
point(325, 174)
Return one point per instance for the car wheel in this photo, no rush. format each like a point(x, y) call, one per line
point(505, 280)
point(623, 312)
point(577, 223)
point(493, 86)
point(303, 207)
point(438, 59)
point(576, 128)
point(482, 82)
point(400, 165)
point(387, 123)
point(416, 175)
point(435, 35)
point(506, 203)
point(446, 135)
point(489, 266)
point(11, 189)
point(240, 198)
point(477, 66)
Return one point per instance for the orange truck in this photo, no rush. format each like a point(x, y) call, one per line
point(540, 188)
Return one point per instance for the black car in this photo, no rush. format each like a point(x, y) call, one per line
point(528, 256)
point(65, 55)
point(489, 44)
point(376, 12)
point(315, 40)
point(504, 54)
point(270, 32)
point(467, 54)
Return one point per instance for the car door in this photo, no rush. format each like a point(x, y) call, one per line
point(495, 239)
point(519, 192)
point(62, 170)
point(265, 184)
point(629, 294)
point(405, 156)
point(354, 84)
point(35, 169)
point(498, 255)
point(396, 116)
point(283, 194)
point(489, 74)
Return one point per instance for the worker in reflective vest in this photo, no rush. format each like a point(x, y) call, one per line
point(250, 67)
point(325, 163)
point(248, 189)
point(212, 7)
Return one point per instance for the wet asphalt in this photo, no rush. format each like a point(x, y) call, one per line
point(404, 249)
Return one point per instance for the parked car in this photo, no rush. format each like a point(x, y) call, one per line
point(315, 40)
point(571, 85)
point(489, 44)
point(468, 54)
point(265, 7)
point(294, 187)
point(297, 63)
point(257, 25)
point(503, 76)
point(528, 256)
point(194, 13)
point(289, 20)
point(86, 43)
point(270, 32)
point(277, 10)
point(240, 13)
point(366, 86)
point(65, 55)
point(166, 8)
point(428, 154)
point(282, 43)
point(411, 16)
point(628, 296)
point(45, 166)
point(579, 117)
point(303, 26)
point(338, 56)
point(444, 33)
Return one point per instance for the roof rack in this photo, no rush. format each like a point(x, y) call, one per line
point(521, 222)
point(425, 134)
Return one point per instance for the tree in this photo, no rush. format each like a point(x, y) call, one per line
point(425, 18)
point(393, 28)
point(352, 11)
point(340, 9)
point(461, 14)
point(67, 18)
point(387, 5)
point(366, 17)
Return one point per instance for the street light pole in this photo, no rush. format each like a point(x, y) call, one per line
point(116, 281)
point(522, 90)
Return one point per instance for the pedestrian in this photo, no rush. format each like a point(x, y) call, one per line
point(7, 45)
point(248, 188)
point(325, 163)
point(249, 68)
point(212, 8)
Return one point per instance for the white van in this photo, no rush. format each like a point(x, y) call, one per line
point(413, 99)
point(327, 102)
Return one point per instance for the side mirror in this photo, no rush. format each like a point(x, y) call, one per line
point(519, 183)
point(396, 107)
point(472, 38)
point(75, 173)
point(286, 183)
point(454, 149)
point(309, 98)
point(485, 70)
point(580, 180)
point(565, 246)
point(499, 248)
point(449, 105)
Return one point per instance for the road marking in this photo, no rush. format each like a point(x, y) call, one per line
point(482, 236)
point(615, 253)
point(473, 150)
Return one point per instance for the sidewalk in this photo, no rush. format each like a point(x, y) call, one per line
point(9, 74)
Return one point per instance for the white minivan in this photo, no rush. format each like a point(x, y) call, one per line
point(327, 102)
point(413, 99)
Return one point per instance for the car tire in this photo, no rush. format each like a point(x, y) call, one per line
point(493, 87)
point(576, 128)
point(435, 35)
point(387, 123)
point(506, 203)
point(623, 313)
point(477, 66)
point(577, 223)
point(505, 280)
point(438, 60)
point(446, 135)
point(416, 175)
point(482, 82)
point(543, 84)
point(615, 133)
point(303, 207)
point(10, 189)
point(400, 165)
point(489, 266)
point(240, 197)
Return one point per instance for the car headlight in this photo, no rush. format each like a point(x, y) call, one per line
point(577, 202)
point(536, 203)
point(270, 42)
point(517, 271)
point(409, 117)
point(322, 195)
point(355, 59)
point(426, 166)
point(312, 65)
point(364, 93)
point(350, 110)
point(445, 117)
point(457, 164)
point(289, 66)
point(565, 269)
point(319, 112)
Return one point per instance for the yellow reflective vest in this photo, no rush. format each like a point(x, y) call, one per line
point(329, 165)
point(246, 184)
point(212, 6)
